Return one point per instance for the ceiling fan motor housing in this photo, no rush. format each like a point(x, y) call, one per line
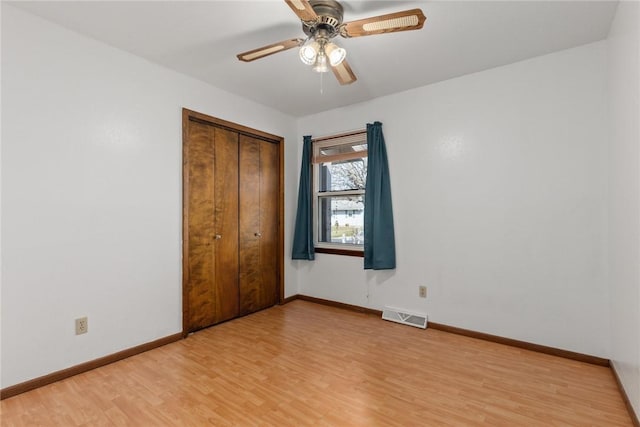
point(330, 14)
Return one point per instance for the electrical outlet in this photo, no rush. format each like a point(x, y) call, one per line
point(422, 291)
point(82, 325)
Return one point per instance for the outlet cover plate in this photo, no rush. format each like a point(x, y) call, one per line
point(82, 325)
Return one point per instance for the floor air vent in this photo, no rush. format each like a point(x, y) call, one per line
point(405, 317)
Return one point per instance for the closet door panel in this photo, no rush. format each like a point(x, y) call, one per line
point(225, 220)
point(231, 220)
point(201, 209)
point(250, 233)
point(269, 217)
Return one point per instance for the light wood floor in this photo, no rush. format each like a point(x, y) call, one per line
point(307, 364)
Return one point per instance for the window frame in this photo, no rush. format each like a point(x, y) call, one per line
point(349, 138)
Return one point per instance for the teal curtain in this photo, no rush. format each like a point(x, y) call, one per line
point(379, 237)
point(303, 233)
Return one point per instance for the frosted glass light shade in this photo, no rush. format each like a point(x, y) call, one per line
point(335, 53)
point(309, 52)
point(320, 65)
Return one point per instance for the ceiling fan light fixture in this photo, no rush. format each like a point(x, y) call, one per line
point(309, 52)
point(335, 53)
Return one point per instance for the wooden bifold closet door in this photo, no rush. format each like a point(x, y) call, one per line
point(232, 216)
point(259, 163)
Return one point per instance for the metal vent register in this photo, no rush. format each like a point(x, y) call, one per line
point(397, 315)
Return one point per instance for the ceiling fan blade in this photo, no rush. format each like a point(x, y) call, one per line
point(344, 73)
point(303, 9)
point(261, 52)
point(400, 21)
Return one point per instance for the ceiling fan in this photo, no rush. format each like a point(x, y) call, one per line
point(321, 22)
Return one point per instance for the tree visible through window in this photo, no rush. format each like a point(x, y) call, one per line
point(340, 174)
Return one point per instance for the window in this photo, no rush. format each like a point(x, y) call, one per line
point(339, 175)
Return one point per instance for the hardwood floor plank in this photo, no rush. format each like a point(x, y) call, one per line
point(308, 364)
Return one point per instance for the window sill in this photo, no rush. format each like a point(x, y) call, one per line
point(337, 251)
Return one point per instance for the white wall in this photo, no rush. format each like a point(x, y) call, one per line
point(624, 197)
point(91, 194)
point(499, 196)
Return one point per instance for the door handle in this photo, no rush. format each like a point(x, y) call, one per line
point(218, 237)
point(257, 234)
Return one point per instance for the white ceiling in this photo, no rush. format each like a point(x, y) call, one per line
point(202, 38)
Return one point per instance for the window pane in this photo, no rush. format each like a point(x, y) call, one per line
point(344, 175)
point(341, 219)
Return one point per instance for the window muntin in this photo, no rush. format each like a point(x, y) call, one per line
point(340, 172)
